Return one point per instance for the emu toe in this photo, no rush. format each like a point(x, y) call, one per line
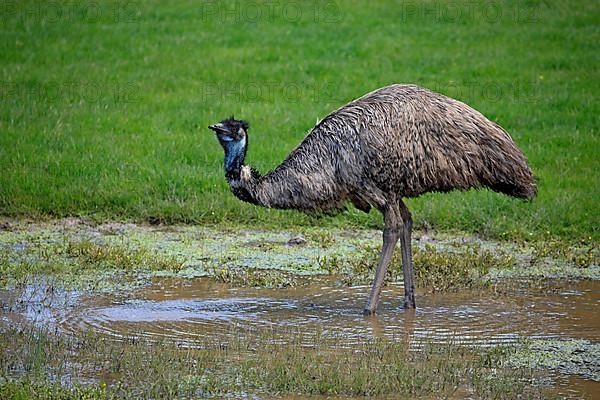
point(368, 313)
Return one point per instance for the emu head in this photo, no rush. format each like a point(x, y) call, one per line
point(233, 136)
point(230, 131)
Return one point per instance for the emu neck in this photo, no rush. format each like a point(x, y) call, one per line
point(235, 153)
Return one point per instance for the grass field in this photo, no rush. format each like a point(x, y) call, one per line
point(104, 105)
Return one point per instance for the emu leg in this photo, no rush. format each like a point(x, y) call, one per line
point(407, 268)
point(390, 238)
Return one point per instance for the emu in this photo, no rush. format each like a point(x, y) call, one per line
point(399, 141)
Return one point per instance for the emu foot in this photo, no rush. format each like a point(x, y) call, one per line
point(368, 313)
point(409, 303)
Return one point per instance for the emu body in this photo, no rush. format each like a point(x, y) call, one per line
point(396, 142)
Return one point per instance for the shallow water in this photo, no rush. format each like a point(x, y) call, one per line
point(196, 311)
point(191, 311)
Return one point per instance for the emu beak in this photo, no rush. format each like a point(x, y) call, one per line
point(217, 127)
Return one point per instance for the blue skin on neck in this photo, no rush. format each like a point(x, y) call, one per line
point(235, 152)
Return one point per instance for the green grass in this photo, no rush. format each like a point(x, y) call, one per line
point(120, 257)
point(435, 270)
point(37, 363)
point(83, 264)
point(105, 115)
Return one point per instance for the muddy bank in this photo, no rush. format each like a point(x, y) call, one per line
point(195, 251)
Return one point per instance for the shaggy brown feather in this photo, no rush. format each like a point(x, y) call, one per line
point(401, 139)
